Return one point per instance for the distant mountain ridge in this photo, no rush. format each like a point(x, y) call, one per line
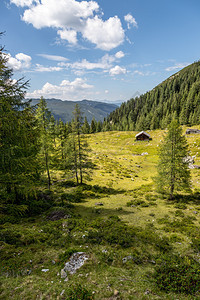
point(179, 96)
point(91, 109)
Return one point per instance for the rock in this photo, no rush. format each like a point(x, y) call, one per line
point(195, 212)
point(57, 214)
point(63, 274)
point(125, 259)
point(45, 270)
point(190, 161)
point(147, 292)
point(76, 261)
point(145, 153)
point(99, 204)
point(104, 251)
point(116, 293)
point(196, 167)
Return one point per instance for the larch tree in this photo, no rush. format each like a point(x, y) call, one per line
point(18, 137)
point(43, 116)
point(173, 172)
point(78, 154)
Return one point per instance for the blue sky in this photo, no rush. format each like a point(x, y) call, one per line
point(98, 50)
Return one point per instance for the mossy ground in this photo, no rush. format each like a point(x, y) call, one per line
point(123, 182)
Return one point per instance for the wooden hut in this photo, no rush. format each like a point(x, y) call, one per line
point(142, 136)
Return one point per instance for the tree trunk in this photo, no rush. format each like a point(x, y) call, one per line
point(80, 158)
point(75, 164)
point(48, 173)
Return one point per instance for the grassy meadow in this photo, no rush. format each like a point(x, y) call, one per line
point(131, 234)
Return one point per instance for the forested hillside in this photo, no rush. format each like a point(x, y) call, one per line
point(178, 95)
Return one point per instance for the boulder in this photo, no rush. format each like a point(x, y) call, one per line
point(76, 261)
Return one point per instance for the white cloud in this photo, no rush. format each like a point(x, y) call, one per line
point(105, 34)
point(130, 21)
point(138, 73)
point(71, 17)
point(68, 35)
point(20, 62)
point(53, 57)
point(66, 90)
point(117, 70)
point(66, 14)
point(104, 63)
point(106, 91)
point(23, 3)
point(40, 68)
point(119, 54)
point(177, 66)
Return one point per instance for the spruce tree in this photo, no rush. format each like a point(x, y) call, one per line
point(86, 126)
point(173, 172)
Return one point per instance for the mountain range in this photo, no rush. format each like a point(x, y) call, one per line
point(64, 109)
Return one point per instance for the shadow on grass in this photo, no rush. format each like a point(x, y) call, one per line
point(100, 211)
point(193, 198)
point(87, 191)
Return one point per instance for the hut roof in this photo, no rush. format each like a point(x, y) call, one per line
point(142, 132)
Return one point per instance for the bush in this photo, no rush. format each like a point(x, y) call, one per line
point(179, 275)
point(79, 292)
point(112, 231)
point(63, 257)
point(136, 202)
point(180, 205)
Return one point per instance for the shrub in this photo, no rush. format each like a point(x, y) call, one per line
point(78, 292)
point(136, 202)
point(112, 231)
point(180, 205)
point(179, 275)
point(63, 257)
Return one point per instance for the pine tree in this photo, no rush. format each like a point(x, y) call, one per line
point(173, 172)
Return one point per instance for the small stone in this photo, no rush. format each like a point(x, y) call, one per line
point(45, 270)
point(104, 251)
point(99, 204)
point(66, 279)
point(53, 262)
point(63, 274)
point(116, 293)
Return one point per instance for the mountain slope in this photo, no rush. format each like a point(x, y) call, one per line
point(91, 109)
point(178, 95)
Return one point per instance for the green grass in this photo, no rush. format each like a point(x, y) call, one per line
point(144, 225)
